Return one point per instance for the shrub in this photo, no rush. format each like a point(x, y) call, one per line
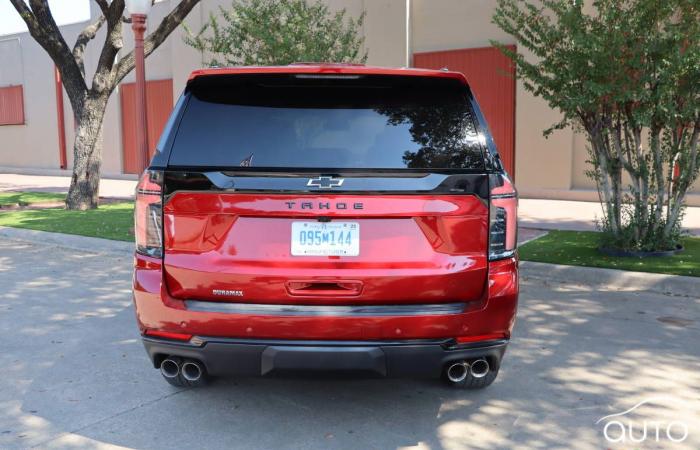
point(627, 74)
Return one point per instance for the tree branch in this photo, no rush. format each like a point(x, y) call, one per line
point(26, 14)
point(104, 7)
point(153, 40)
point(81, 42)
point(102, 81)
point(44, 30)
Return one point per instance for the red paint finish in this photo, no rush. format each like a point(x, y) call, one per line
point(413, 249)
point(60, 122)
point(328, 69)
point(11, 105)
point(491, 76)
point(494, 314)
point(159, 100)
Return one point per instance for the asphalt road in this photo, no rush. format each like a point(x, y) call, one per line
point(74, 375)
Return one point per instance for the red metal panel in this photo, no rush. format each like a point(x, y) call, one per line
point(128, 106)
point(159, 95)
point(159, 99)
point(491, 76)
point(11, 105)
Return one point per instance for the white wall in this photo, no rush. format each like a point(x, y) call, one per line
point(556, 164)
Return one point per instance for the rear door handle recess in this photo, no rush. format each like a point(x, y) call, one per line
point(344, 288)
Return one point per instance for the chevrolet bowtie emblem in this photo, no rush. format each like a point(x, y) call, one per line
point(325, 182)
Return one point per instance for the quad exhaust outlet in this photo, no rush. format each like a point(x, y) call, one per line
point(192, 370)
point(169, 368)
point(458, 371)
point(479, 368)
point(174, 368)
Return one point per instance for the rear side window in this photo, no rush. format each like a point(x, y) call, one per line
point(323, 122)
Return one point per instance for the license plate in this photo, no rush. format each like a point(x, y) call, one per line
point(325, 238)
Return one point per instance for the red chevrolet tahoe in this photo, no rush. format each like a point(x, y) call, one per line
point(326, 218)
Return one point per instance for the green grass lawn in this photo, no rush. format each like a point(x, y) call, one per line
point(27, 198)
point(110, 221)
point(580, 248)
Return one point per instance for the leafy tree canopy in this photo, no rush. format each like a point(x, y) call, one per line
point(279, 32)
point(627, 73)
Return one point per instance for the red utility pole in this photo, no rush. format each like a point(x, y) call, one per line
point(138, 24)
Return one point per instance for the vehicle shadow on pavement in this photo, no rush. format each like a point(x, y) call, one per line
point(77, 375)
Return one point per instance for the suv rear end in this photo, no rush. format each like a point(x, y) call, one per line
point(330, 217)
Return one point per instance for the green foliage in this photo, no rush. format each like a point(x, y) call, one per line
point(627, 73)
point(627, 237)
point(279, 32)
point(580, 248)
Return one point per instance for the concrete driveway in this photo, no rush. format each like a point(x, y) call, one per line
point(74, 375)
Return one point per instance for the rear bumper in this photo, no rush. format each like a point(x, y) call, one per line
point(416, 358)
point(493, 315)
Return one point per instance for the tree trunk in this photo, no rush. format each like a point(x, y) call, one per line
point(87, 155)
point(656, 151)
point(606, 179)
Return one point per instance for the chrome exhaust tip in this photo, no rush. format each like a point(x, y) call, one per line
point(192, 370)
point(480, 368)
point(169, 368)
point(458, 371)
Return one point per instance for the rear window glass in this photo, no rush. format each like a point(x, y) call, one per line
point(353, 123)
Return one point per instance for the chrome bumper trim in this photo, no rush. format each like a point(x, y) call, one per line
point(439, 309)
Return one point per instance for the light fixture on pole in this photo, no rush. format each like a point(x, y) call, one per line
point(138, 10)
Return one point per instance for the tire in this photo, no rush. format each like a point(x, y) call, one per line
point(181, 381)
point(470, 382)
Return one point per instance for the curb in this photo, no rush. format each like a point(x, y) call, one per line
point(71, 241)
point(543, 232)
point(611, 279)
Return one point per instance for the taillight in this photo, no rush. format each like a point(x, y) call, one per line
point(148, 214)
point(503, 222)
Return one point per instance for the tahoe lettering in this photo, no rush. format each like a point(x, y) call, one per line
point(324, 205)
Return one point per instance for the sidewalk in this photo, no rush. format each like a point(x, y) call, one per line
point(532, 213)
point(579, 216)
point(41, 183)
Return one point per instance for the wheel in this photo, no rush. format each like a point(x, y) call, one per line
point(472, 382)
point(183, 373)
